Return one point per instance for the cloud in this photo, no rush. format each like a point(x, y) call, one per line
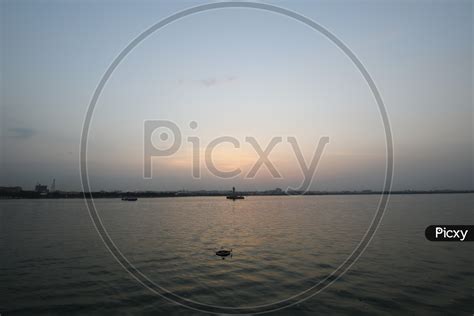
point(211, 81)
point(21, 132)
point(208, 82)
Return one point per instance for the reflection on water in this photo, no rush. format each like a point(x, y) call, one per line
point(53, 260)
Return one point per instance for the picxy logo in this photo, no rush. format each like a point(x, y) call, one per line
point(449, 232)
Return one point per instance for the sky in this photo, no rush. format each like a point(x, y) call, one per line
point(238, 73)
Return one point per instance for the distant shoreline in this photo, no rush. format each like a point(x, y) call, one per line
point(20, 194)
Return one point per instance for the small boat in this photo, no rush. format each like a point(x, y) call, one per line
point(129, 198)
point(224, 253)
point(234, 196)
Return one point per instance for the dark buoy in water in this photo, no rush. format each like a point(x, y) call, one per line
point(224, 253)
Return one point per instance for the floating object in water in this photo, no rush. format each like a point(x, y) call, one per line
point(224, 253)
point(128, 198)
point(234, 196)
point(238, 197)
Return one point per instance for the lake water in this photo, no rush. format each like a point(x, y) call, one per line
point(53, 261)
